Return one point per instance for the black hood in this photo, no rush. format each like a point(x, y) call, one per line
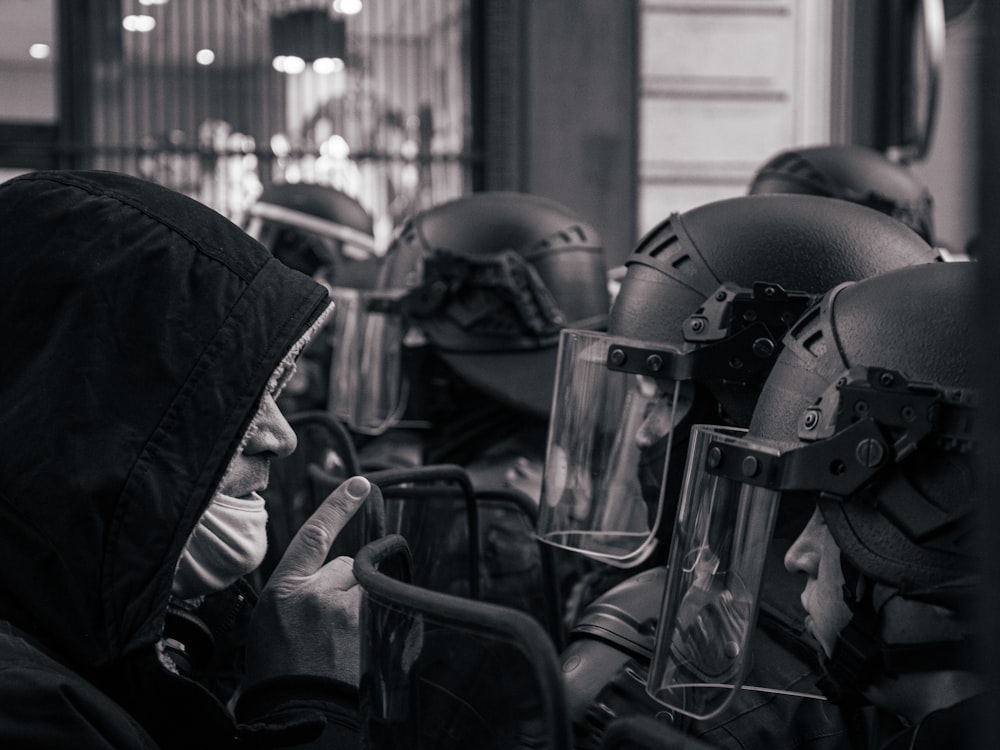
point(140, 329)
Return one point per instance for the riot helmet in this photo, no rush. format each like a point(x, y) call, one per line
point(318, 230)
point(853, 173)
point(325, 234)
point(485, 282)
point(868, 415)
point(697, 325)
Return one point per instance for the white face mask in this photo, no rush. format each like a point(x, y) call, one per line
point(230, 539)
point(229, 542)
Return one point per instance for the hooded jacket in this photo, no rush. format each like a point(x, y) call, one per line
point(140, 329)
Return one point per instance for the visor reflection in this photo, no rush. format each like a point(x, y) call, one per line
point(717, 556)
point(603, 423)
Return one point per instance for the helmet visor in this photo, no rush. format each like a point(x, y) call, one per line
point(717, 557)
point(367, 391)
point(607, 425)
point(333, 241)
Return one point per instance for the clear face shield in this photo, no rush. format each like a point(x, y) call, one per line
point(609, 444)
point(717, 552)
point(368, 390)
point(618, 402)
point(866, 420)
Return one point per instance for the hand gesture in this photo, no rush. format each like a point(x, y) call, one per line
point(306, 622)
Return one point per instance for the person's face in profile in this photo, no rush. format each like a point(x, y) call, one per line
point(816, 554)
point(269, 436)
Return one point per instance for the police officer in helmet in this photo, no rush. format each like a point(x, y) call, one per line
point(329, 236)
point(451, 360)
point(706, 300)
point(868, 422)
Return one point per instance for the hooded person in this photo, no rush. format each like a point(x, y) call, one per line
point(146, 340)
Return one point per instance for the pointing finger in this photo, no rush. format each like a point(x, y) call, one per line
point(308, 549)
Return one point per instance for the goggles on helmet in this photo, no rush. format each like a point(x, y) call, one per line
point(333, 238)
point(617, 403)
point(869, 419)
point(464, 303)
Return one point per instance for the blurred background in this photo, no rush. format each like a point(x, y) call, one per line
point(621, 110)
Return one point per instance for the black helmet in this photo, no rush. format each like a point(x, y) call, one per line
point(899, 351)
point(325, 234)
point(869, 415)
point(317, 228)
point(494, 277)
point(705, 302)
point(853, 173)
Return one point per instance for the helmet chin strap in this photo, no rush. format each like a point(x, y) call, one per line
point(860, 656)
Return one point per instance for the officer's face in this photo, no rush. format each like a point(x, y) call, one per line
point(661, 414)
point(660, 419)
point(816, 554)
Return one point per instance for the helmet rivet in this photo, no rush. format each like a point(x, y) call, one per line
point(697, 324)
point(769, 291)
point(861, 408)
point(654, 362)
point(617, 357)
point(749, 315)
point(810, 419)
point(763, 347)
point(869, 453)
point(720, 296)
point(908, 413)
point(750, 467)
point(736, 363)
point(886, 379)
point(714, 458)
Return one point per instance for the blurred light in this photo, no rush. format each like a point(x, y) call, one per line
point(280, 145)
point(408, 149)
point(39, 51)
point(325, 65)
point(409, 177)
point(335, 147)
point(205, 56)
point(138, 23)
point(153, 2)
point(288, 64)
point(347, 7)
